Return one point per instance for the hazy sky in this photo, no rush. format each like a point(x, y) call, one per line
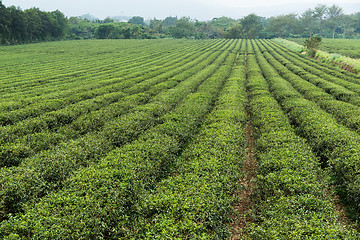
point(199, 9)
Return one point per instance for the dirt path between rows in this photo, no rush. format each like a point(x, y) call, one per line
point(243, 206)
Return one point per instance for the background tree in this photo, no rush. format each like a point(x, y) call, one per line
point(205, 30)
point(170, 21)
point(251, 26)
point(17, 25)
point(320, 17)
point(5, 22)
point(80, 28)
point(312, 45)
point(334, 14)
point(356, 22)
point(184, 28)
point(222, 24)
point(137, 20)
point(347, 25)
point(308, 21)
point(234, 32)
point(108, 20)
point(60, 25)
point(105, 31)
point(283, 24)
point(157, 26)
point(33, 24)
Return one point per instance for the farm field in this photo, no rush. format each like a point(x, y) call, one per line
point(346, 47)
point(149, 139)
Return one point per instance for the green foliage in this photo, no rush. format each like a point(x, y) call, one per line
point(17, 26)
point(252, 26)
point(170, 21)
point(33, 25)
point(345, 47)
point(291, 193)
point(283, 25)
point(323, 130)
point(222, 22)
point(137, 20)
point(312, 45)
point(234, 32)
point(248, 27)
point(120, 181)
point(184, 28)
point(145, 139)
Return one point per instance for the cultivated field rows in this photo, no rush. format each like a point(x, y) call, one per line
point(146, 139)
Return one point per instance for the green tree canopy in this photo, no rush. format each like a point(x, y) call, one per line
point(137, 20)
point(234, 32)
point(184, 28)
point(283, 24)
point(251, 26)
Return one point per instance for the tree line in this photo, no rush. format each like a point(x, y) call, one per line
point(32, 25)
point(322, 21)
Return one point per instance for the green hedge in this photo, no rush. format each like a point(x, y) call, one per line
point(293, 200)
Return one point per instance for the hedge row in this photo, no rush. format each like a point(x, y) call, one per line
point(104, 200)
point(325, 68)
point(47, 171)
point(346, 113)
point(50, 67)
point(341, 89)
point(46, 131)
point(49, 99)
point(292, 198)
point(196, 201)
point(335, 145)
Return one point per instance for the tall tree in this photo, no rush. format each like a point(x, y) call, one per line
point(356, 23)
point(184, 28)
point(308, 21)
point(251, 26)
point(5, 22)
point(137, 20)
point(34, 25)
point(206, 30)
point(347, 23)
point(170, 21)
point(60, 25)
point(234, 32)
point(105, 31)
point(320, 16)
point(157, 25)
point(334, 14)
point(18, 25)
point(284, 24)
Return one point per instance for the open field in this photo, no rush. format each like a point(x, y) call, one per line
point(346, 47)
point(331, 56)
point(148, 139)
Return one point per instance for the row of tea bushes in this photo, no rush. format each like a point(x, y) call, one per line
point(103, 200)
point(196, 201)
point(93, 88)
point(324, 67)
point(334, 144)
point(346, 113)
point(292, 198)
point(41, 133)
point(339, 88)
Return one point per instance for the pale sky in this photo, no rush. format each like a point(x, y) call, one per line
point(198, 9)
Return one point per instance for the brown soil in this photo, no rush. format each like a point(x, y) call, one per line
point(242, 207)
point(342, 213)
